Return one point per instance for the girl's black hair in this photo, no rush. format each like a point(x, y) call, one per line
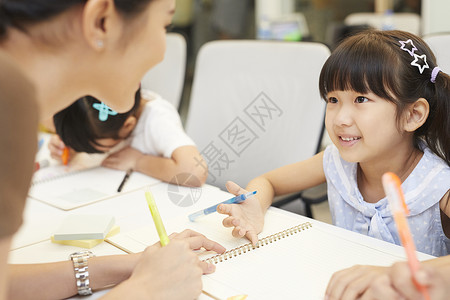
point(79, 126)
point(373, 61)
point(17, 13)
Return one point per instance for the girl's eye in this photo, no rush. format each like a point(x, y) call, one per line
point(332, 100)
point(361, 99)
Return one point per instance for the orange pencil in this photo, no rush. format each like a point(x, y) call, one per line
point(392, 188)
point(65, 156)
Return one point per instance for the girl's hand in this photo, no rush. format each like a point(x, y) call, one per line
point(398, 284)
point(247, 218)
point(123, 159)
point(56, 147)
point(352, 283)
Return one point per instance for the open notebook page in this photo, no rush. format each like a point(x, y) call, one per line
point(210, 226)
point(74, 189)
point(296, 267)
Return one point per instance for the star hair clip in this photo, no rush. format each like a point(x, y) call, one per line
point(104, 111)
point(420, 61)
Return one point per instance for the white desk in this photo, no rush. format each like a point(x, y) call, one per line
point(32, 244)
point(131, 213)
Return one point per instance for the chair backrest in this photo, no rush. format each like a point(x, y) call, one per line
point(440, 45)
point(167, 78)
point(255, 106)
point(435, 16)
point(402, 21)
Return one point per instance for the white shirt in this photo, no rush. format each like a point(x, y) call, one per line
point(158, 130)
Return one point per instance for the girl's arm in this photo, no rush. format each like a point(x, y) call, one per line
point(183, 165)
point(247, 218)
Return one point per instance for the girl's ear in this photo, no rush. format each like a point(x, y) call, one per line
point(97, 19)
point(416, 114)
point(128, 126)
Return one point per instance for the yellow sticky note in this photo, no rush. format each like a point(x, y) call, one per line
point(84, 227)
point(87, 244)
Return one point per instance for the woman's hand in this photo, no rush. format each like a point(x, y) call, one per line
point(197, 241)
point(173, 271)
point(247, 217)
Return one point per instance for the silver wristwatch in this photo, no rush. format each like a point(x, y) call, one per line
point(80, 265)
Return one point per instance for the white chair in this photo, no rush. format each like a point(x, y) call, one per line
point(255, 106)
point(435, 16)
point(440, 45)
point(167, 78)
point(402, 21)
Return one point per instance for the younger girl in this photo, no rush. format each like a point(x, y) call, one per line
point(155, 142)
point(388, 109)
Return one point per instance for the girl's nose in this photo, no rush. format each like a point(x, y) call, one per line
point(343, 117)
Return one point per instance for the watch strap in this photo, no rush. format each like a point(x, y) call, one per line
point(80, 265)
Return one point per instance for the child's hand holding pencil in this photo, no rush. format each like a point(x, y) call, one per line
point(394, 193)
point(398, 283)
point(58, 150)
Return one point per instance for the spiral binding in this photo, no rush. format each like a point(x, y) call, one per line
point(261, 243)
point(52, 178)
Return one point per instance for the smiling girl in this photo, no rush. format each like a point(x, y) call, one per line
point(388, 109)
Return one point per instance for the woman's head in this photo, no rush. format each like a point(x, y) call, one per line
point(111, 42)
point(23, 14)
point(82, 127)
point(380, 62)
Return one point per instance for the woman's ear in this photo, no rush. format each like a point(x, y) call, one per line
point(416, 114)
point(97, 17)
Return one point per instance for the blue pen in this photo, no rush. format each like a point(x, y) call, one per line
point(210, 210)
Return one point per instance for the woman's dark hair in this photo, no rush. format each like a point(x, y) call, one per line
point(373, 61)
point(17, 13)
point(79, 126)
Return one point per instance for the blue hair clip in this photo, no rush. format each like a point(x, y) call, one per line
point(103, 111)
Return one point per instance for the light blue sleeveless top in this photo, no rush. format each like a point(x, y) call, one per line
point(424, 187)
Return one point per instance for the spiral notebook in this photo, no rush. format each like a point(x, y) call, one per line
point(292, 260)
point(68, 189)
